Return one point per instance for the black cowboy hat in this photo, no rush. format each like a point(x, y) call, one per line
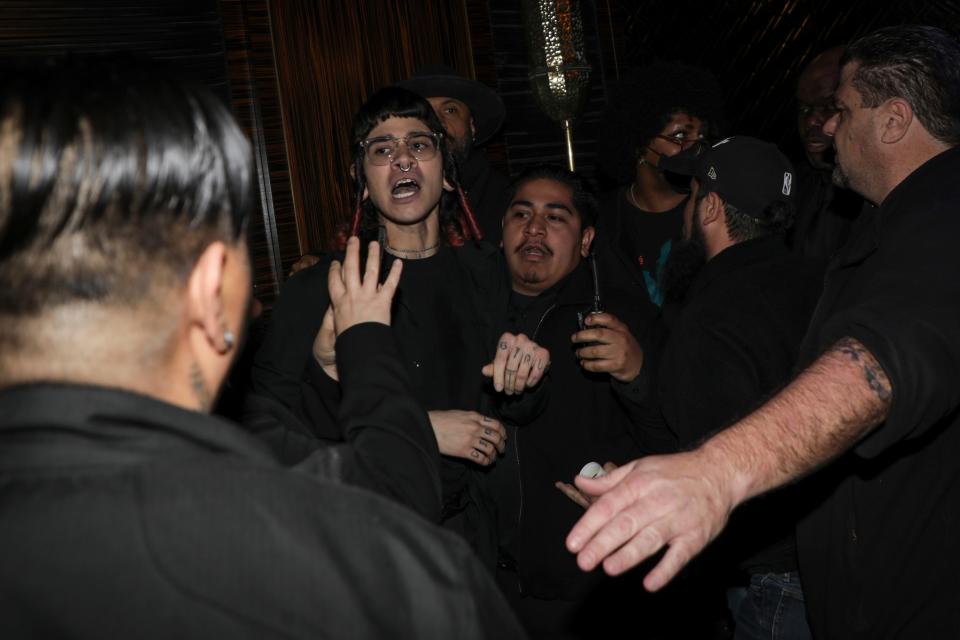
point(486, 107)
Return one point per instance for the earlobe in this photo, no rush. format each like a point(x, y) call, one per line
point(447, 186)
point(712, 211)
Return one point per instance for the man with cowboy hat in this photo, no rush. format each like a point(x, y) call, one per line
point(471, 113)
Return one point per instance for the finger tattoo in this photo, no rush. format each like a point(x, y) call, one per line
point(526, 358)
point(503, 346)
point(487, 432)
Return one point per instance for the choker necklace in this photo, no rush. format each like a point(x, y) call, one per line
point(412, 254)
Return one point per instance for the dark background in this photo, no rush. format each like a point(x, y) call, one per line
point(294, 71)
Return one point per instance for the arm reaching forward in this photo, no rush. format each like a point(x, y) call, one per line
point(682, 501)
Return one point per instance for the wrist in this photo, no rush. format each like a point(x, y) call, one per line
point(721, 457)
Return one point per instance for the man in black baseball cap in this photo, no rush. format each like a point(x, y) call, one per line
point(471, 113)
point(733, 342)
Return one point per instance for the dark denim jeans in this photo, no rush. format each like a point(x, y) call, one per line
point(771, 608)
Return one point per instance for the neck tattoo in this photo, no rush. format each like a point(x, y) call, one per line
point(413, 254)
point(199, 387)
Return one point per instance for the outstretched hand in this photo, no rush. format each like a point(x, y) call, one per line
point(520, 364)
point(679, 501)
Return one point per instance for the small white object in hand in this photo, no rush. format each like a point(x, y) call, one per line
point(592, 470)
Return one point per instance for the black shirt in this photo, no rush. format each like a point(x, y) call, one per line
point(642, 239)
point(736, 341)
point(880, 557)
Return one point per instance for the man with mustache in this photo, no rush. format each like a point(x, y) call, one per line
point(547, 233)
point(825, 212)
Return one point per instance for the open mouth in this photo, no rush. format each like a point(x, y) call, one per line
point(405, 188)
point(534, 251)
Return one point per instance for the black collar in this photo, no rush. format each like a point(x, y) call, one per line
point(86, 424)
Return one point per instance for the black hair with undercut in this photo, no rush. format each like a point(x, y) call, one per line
point(457, 222)
point(114, 177)
point(920, 64)
point(775, 218)
point(643, 104)
point(583, 195)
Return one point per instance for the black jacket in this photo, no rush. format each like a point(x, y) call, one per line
point(444, 342)
point(825, 213)
point(734, 343)
point(583, 421)
point(122, 516)
point(879, 556)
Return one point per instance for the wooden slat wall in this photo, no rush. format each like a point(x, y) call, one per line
point(189, 34)
point(255, 100)
point(330, 56)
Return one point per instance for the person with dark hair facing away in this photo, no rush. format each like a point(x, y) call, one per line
point(547, 232)
point(658, 111)
point(874, 412)
point(735, 340)
point(408, 197)
point(127, 510)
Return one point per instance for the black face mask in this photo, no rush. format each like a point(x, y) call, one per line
point(683, 264)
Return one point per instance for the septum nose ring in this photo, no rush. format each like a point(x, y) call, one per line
point(407, 170)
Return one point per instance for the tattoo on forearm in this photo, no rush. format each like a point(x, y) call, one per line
point(873, 373)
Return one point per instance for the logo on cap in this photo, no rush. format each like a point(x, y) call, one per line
point(712, 173)
point(787, 182)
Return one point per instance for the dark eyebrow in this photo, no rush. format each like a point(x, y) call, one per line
point(550, 205)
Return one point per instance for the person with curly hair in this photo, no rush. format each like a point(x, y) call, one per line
point(658, 111)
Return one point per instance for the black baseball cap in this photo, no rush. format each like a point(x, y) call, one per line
point(486, 107)
point(748, 173)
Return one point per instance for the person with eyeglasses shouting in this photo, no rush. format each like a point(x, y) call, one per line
point(658, 111)
point(409, 199)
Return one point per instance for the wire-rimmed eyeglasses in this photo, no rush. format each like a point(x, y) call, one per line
point(422, 145)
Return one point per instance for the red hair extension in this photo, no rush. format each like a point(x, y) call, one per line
point(470, 229)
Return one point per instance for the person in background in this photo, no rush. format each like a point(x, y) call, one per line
point(127, 510)
point(825, 212)
point(658, 111)
point(471, 114)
